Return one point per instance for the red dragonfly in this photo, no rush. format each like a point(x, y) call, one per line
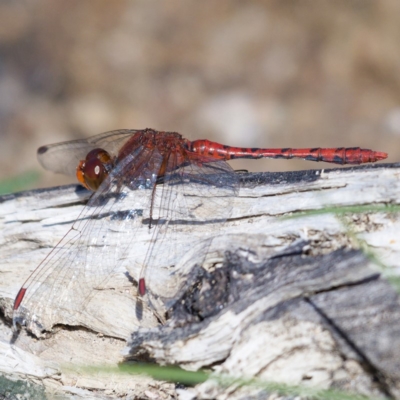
point(156, 184)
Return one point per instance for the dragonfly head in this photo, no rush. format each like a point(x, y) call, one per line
point(92, 171)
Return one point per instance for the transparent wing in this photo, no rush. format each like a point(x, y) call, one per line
point(190, 201)
point(65, 282)
point(64, 157)
point(156, 229)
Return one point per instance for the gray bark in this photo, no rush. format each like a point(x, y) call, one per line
point(297, 300)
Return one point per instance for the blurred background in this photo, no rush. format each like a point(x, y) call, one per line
point(245, 73)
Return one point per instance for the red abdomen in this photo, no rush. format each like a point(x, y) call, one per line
point(340, 155)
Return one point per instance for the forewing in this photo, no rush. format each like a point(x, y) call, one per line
point(61, 287)
point(157, 231)
point(64, 157)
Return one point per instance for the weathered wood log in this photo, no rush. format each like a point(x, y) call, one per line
point(288, 300)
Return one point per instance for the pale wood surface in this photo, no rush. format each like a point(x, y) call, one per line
point(288, 300)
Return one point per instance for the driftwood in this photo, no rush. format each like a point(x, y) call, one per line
point(292, 300)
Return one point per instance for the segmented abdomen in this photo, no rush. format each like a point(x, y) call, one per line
point(340, 155)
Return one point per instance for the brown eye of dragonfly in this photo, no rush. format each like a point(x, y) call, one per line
point(92, 171)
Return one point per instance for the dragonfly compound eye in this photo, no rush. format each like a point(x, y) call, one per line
point(92, 171)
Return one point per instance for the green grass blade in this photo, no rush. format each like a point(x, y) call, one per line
point(189, 378)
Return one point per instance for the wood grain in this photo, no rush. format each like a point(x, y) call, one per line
point(289, 300)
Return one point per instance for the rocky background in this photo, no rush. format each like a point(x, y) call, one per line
point(251, 73)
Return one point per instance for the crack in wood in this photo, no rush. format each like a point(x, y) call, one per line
point(368, 365)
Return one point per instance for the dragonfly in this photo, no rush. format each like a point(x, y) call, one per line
point(155, 194)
